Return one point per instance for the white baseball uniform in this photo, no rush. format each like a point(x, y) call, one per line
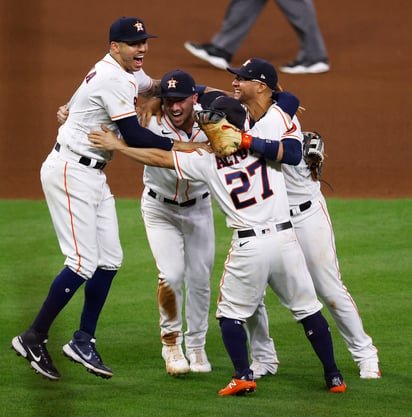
point(252, 194)
point(313, 227)
point(178, 218)
point(79, 199)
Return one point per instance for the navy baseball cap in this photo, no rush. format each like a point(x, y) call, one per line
point(128, 29)
point(177, 83)
point(235, 112)
point(257, 69)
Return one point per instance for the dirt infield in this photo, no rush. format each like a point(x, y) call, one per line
point(361, 107)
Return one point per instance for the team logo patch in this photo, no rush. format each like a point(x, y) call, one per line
point(139, 26)
point(246, 63)
point(172, 83)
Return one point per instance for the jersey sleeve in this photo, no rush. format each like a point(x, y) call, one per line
point(192, 166)
point(143, 81)
point(117, 97)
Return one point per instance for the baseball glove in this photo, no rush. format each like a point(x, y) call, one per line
point(225, 138)
point(313, 153)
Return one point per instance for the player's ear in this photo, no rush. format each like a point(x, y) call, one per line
point(114, 46)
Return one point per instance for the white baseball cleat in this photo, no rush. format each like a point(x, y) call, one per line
point(198, 360)
point(369, 369)
point(176, 363)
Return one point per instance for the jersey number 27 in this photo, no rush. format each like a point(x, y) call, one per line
point(246, 181)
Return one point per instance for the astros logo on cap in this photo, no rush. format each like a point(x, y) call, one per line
point(138, 26)
point(172, 83)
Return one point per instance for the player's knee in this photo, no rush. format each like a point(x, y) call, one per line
point(174, 281)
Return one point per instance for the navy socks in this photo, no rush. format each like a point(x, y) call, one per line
point(61, 291)
point(318, 332)
point(235, 341)
point(96, 291)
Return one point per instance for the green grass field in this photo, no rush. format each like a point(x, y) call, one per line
point(375, 251)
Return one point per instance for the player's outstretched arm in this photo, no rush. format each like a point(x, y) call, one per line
point(288, 150)
point(106, 139)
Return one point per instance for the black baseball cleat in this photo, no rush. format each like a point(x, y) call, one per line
point(210, 53)
point(32, 346)
point(81, 349)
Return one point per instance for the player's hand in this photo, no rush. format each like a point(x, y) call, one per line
point(62, 113)
point(106, 139)
point(192, 146)
point(145, 110)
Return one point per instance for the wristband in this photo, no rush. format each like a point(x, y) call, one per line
point(246, 141)
point(267, 148)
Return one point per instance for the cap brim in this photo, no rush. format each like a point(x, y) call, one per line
point(234, 70)
point(147, 36)
point(135, 38)
point(175, 95)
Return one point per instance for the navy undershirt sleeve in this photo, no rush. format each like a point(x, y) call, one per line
point(137, 136)
point(267, 148)
point(286, 101)
point(292, 149)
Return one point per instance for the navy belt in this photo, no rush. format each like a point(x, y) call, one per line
point(187, 203)
point(251, 232)
point(84, 160)
point(302, 207)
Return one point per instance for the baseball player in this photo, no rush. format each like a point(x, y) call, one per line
point(310, 217)
point(184, 246)
point(313, 227)
point(81, 205)
point(252, 194)
point(178, 218)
